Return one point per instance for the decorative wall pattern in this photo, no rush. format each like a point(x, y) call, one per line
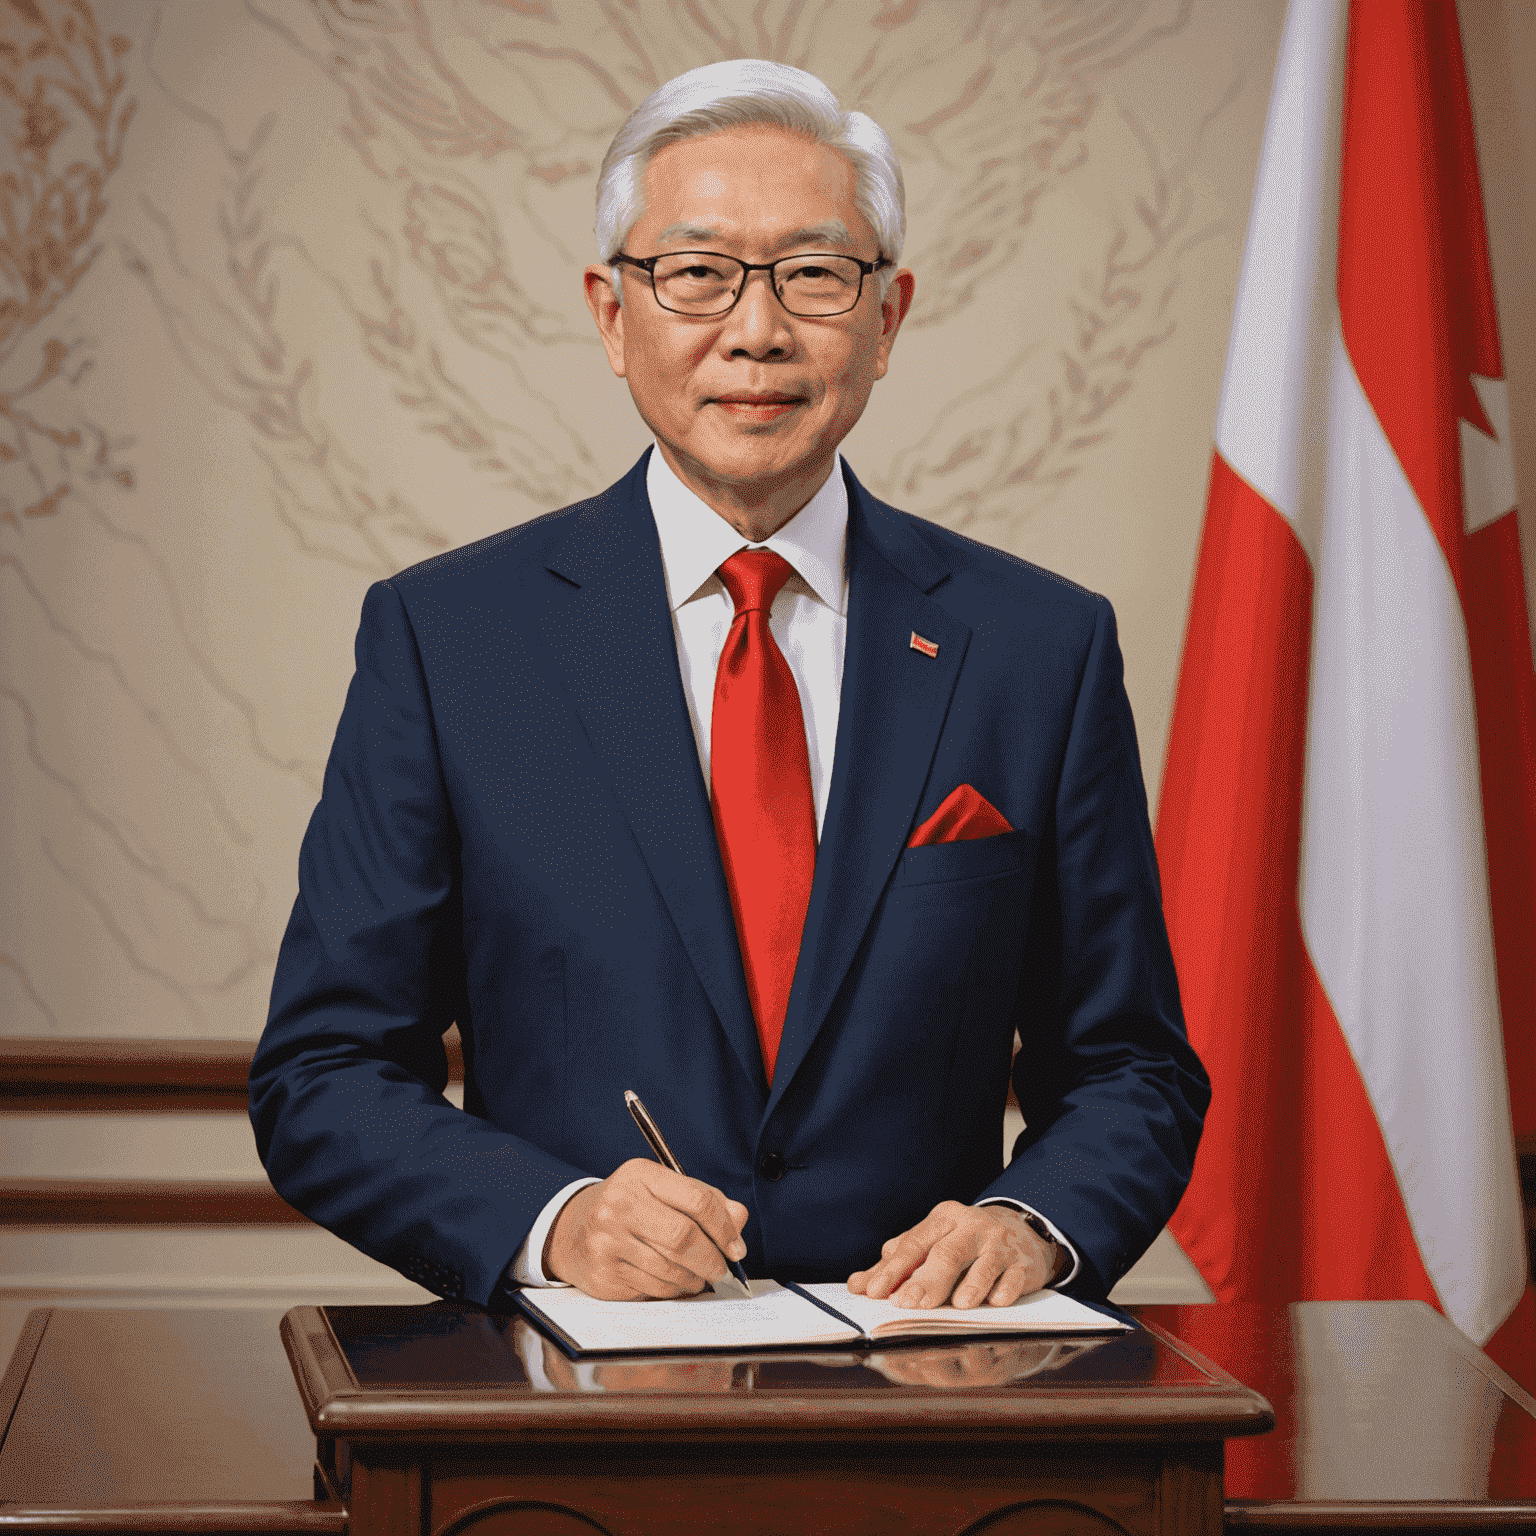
point(290, 298)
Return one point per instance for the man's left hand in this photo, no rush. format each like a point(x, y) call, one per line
point(997, 1255)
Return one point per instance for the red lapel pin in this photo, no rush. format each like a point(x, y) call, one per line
point(927, 647)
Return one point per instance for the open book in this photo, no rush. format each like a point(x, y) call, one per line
point(824, 1314)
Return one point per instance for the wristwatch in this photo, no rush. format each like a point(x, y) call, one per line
point(1036, 1224)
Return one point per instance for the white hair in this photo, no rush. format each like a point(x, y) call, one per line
point(734, 94)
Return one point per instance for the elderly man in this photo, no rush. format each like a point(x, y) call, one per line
point(738, 788)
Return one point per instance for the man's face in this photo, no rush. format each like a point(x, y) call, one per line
point(758, 399)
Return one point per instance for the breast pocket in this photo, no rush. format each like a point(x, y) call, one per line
point(976, 858)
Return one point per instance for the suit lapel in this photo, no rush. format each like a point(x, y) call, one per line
point(613, 642)
point(893, 705)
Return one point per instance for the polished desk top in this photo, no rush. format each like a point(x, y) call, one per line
point(1373, 1401)
point(452, 1373)
point(114, 1406)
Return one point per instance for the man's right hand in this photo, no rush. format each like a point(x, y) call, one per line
point(644, 1232)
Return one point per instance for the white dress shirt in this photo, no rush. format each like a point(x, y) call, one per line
point(809, 621)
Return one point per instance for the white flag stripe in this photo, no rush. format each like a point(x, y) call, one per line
point(1394, 886)
point(1268, 425)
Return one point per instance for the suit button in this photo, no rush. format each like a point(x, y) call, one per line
point(771, 1166)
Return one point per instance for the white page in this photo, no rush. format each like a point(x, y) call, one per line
point(773, 1316)
point(1043, 1312)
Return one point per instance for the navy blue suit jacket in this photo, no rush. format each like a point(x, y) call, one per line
point(515, 834)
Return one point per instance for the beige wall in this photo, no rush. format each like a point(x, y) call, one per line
point(298, 304)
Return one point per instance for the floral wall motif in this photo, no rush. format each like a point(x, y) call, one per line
point(290, 299)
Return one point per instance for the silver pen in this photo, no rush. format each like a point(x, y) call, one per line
point(734, 1281)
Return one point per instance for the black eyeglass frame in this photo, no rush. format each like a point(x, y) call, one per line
point(647, 264)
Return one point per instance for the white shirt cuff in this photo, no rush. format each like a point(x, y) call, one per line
point(1055, 1232)
point(526, 1266)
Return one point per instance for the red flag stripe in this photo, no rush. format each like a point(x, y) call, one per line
point(1504, 681)
point(1415, 296)
point(1229, 818)
point(1513, 1349)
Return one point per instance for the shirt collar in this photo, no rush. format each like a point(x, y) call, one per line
point(696, 540)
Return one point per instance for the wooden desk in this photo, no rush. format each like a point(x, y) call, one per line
point(446, 1421)
point(158, 1420)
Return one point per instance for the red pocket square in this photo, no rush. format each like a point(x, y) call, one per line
point(964, 814)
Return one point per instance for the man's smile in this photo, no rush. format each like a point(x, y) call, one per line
point(754, 405)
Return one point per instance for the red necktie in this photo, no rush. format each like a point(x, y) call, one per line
point(760, 772)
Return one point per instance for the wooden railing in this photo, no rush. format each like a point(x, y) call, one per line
point(167, 1076)
point(146, 1077)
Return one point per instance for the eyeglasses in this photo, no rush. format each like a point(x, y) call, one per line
point(707, 283)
